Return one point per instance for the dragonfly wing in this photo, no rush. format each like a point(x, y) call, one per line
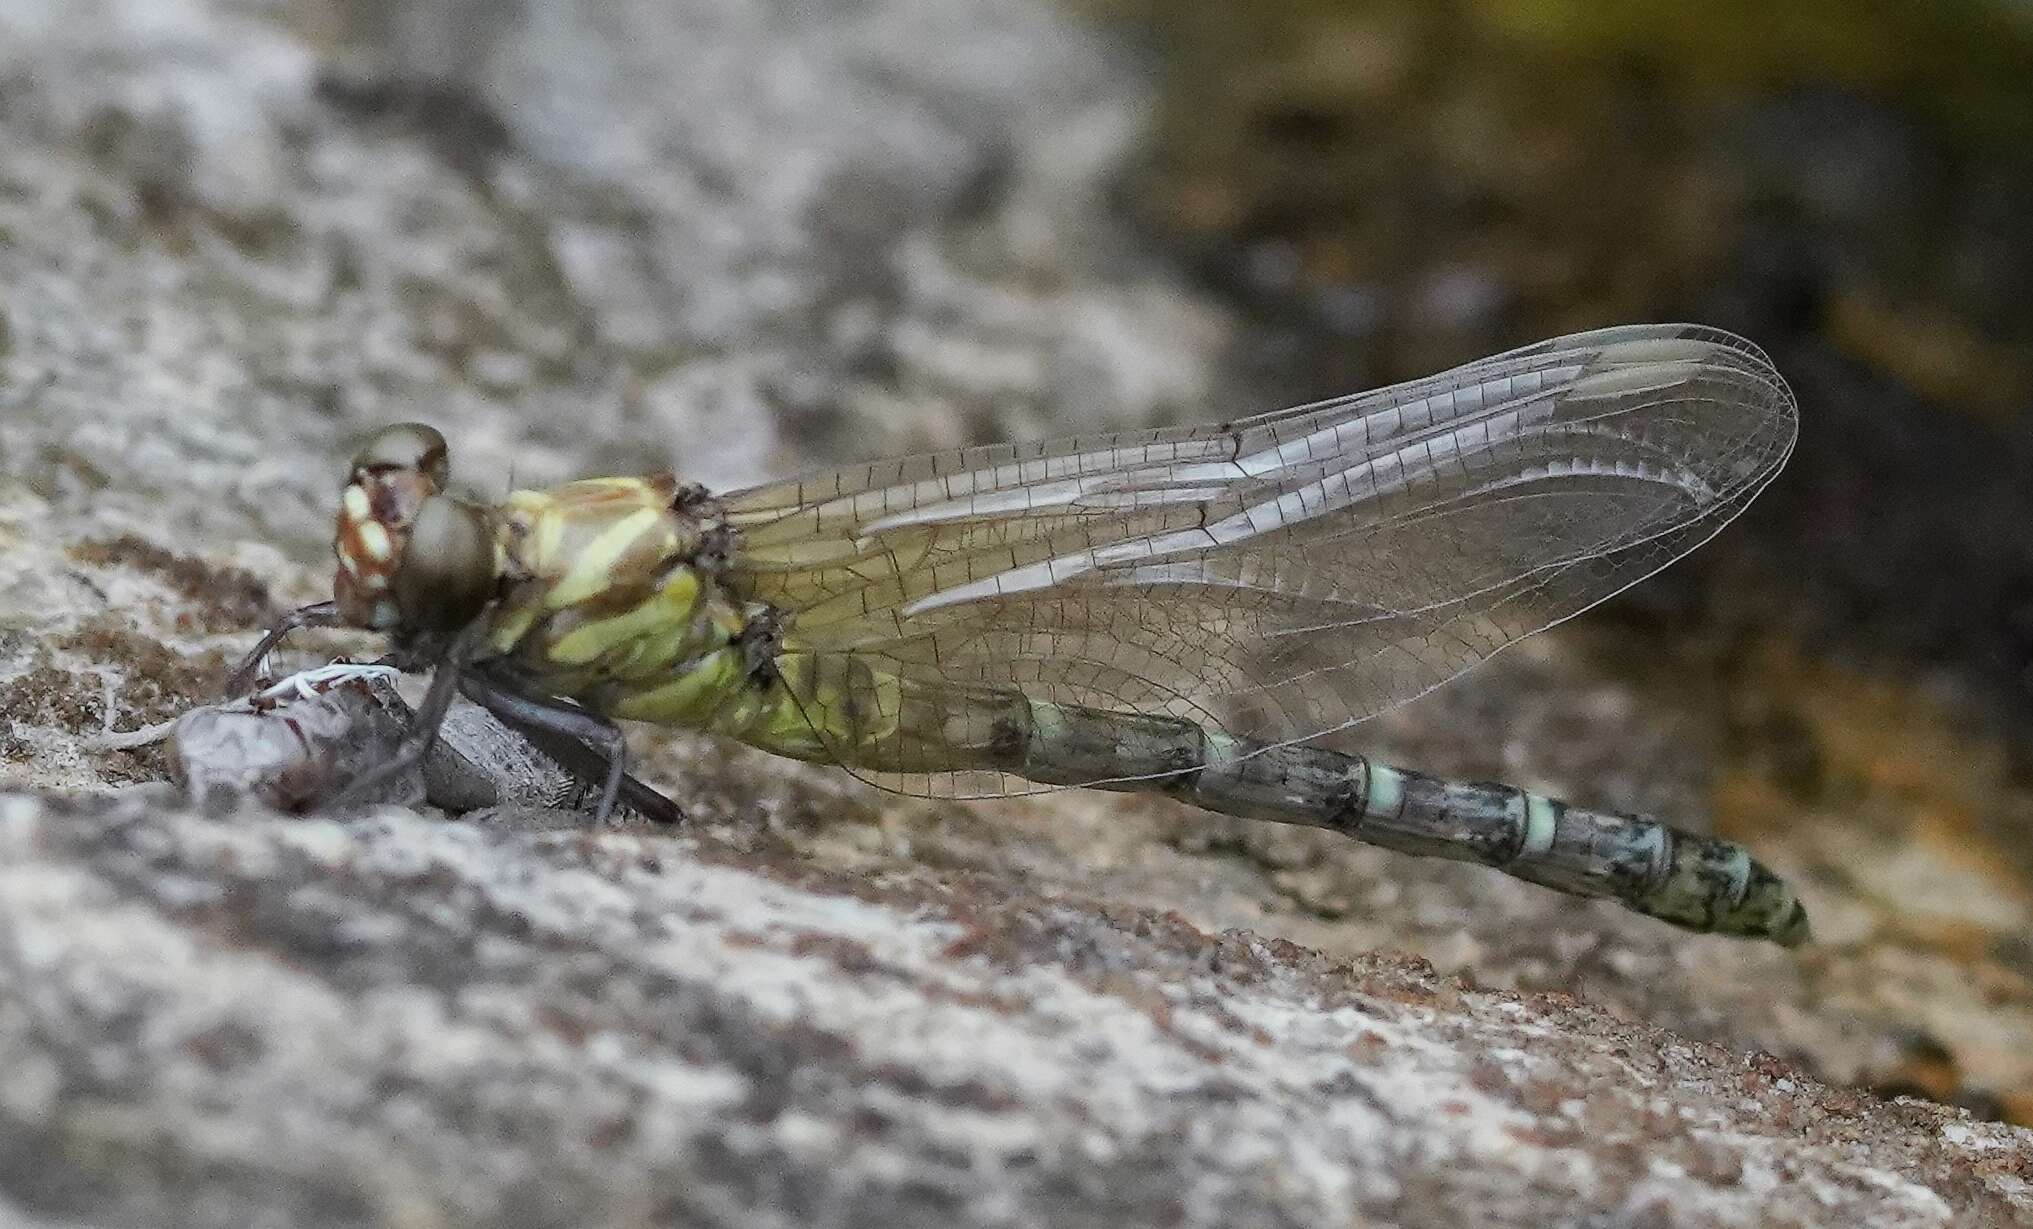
point(1282, 577)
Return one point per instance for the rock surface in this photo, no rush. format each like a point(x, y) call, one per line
point(233, 1019)
point(589, 236)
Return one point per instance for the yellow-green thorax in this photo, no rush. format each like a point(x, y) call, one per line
point(611, 595)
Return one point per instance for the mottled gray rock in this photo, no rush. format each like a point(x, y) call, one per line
point(578, 236)
point(238, 1019)
point(590, 235)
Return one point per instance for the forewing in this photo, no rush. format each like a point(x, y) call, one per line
point(1282, 577)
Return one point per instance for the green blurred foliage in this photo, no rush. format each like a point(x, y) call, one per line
point(1487, 172)
point(1964, 61)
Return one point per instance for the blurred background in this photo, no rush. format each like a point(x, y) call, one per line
point(1384, 188)
point(743, 239)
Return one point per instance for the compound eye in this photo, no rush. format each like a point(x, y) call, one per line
point(406, 445)
point(447, 572)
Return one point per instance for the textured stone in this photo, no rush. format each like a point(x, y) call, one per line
point(608, 235)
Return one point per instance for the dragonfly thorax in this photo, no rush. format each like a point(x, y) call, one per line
point(1182, 610)
point(413, 561)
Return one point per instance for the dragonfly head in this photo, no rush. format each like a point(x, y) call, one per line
point(413, 560)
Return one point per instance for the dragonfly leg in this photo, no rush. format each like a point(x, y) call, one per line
point(589, 745)
point(423, 730)
point(317, 614)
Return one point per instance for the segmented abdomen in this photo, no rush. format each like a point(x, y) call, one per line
point(1694, 881)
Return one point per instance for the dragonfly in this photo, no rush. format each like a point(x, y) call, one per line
point(1201, 611)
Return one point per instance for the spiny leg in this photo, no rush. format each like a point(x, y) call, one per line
point(317, 614)
point(588, 745)
point(423, 729)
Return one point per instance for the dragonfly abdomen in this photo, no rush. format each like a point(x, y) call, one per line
point(908, 618)
point(1693, 881)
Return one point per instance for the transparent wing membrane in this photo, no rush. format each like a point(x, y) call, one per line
point(1277, 579)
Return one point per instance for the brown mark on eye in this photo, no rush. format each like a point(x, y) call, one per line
point(387, 500)
point(393, 475)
